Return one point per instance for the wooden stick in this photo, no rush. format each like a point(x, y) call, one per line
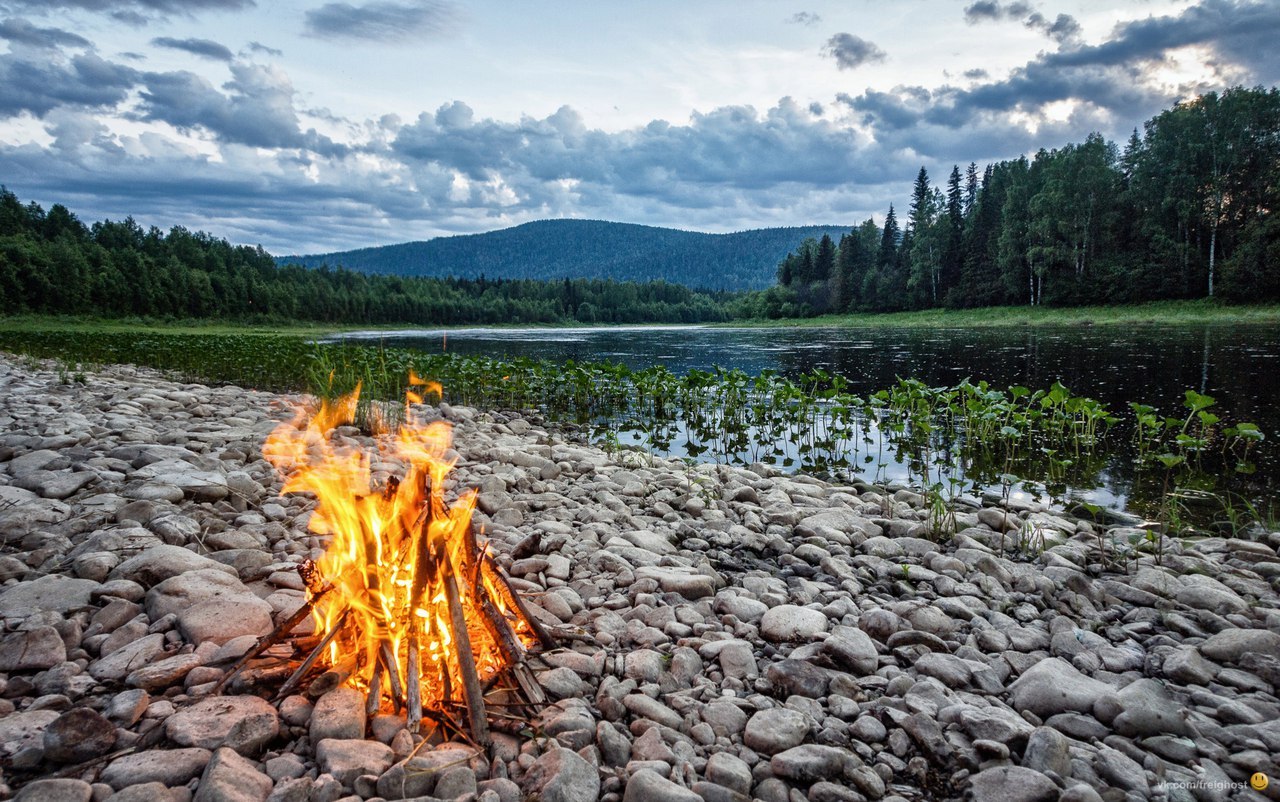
point(374, 699)
point(545, 641)
point(297, 676)
point(413, 676)
point(275, 636)
point(393, 673)
point(472, 693)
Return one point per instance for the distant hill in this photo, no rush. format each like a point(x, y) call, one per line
point(557, 249)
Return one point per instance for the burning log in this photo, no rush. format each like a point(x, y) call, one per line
point(409, 607)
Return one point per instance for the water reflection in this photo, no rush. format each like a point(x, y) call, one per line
point(1153, 364)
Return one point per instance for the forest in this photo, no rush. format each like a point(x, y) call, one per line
point(51, 263)
point(1184, 210)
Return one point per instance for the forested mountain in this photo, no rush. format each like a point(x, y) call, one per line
point(1188, 208)
point(558, 249)
point(52, 263)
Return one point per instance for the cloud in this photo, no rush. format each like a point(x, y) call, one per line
point(1116, 78)
point(808, 18)
point(132, 11)
point(382, 20)
point(205, 48)
point(851, 51)
point(38, 86)
point(258, 109)
point(21, 31)
point(258, 47)
point(1062, 29)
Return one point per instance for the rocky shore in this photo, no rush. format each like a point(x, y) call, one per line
point(738, 634)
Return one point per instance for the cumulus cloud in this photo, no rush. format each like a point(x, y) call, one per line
point(851, 51)
point(21, 31)
point(808, 18)
point(39, 85)
point(258, 109)
point(205, 48)
point(382, 20)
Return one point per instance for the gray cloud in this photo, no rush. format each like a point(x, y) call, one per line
point(132, 11)
point(805, 18)
point(851, 51)
point(205, 48)
point(381, 20)
point(258, 47)
point(1112, 76)
point(258, 109)
point(1062, 29)
point(39, 86)
point(21, 31)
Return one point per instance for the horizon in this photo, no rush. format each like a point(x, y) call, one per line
point(314, 127)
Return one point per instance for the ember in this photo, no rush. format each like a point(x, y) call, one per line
point(408, 605)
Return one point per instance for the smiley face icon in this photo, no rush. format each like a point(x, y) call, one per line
point(1259, 781)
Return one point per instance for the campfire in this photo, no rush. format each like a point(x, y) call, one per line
point(408, 604)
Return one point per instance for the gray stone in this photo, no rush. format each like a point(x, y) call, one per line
point(55, 484)
point(788, 622)
point(1012, 784)
point(1144, 708)
point(348, 759)
point(852, 649)
point(799, 677)
point(418, 775)
point(162, 562)
point(729, 770)
point(19, 731)
point(738, 661)
point(1055, 686)
point(33, 650)
point(210, 605)
point(647, 785)
point(127, 659)
point(725, 718)
point(811, 762)
point(78, 735)
point(172, 767)
point(683, 581)
point(562, 776)
point(52, 593)
point(164, 673)
point(242, 723)
point(1047, 750)
point(1231, 645)
point(228, 777)
point(775, 730)
point(744, 608)
point(652, 709)
point(1186, 665)
point(55, 791)
point(149, 792)
point(643, 665)
point(339, 714)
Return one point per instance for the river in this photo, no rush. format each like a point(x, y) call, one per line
point(1239, 365)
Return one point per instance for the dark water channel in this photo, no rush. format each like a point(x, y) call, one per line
point(1238, 365)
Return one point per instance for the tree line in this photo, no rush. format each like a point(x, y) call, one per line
point(1185, 210)
point(51, 263)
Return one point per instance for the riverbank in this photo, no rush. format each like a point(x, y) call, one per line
point(1150, 314)
point(738, 633)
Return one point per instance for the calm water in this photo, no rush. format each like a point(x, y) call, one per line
point(1237, 365)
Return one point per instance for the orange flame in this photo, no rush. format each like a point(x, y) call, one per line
point(391, 545)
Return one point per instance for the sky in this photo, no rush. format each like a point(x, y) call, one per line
point(309, 127)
